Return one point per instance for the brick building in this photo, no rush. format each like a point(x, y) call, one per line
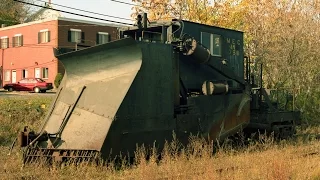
point(27, 49)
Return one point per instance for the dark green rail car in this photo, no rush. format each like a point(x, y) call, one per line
point(175, 76)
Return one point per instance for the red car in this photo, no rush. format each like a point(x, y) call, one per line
point(29, 84)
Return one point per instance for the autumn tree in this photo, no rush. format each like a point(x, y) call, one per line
point(283, 35)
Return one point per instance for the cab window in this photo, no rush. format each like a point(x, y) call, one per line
point(212, 42)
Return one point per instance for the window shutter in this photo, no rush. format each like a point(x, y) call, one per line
point(8, 43)
point(21, 40)
point(13, 42)
point(39, 34)
point(48, 36)
point(82, 37)
point(69, 36)
point(97, 38)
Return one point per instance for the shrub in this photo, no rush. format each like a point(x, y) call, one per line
point(58, 79)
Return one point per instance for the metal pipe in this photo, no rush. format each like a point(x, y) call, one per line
point(145, 21)
point(47, 118)
point(261, 75)
point(164, 34)
point(50, 111)
point(68, 115)
point(249, 70)
point(293, 99)
point(260, 98)
point(65, 119)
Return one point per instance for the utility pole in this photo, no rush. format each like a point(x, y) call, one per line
point(2, 68)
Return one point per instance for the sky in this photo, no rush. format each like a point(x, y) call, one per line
point(107, 7)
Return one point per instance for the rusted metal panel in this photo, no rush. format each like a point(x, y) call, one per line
point(215, 117)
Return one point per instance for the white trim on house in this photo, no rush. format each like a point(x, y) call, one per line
point(78, 30)
point(44, 30)
point(104, 33)
point(4, 37)
point(17, 35)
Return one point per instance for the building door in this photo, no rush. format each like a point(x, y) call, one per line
point(37, 72)
point(14, 76)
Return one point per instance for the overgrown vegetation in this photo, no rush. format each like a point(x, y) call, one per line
point(262, 159)
point(15, 113)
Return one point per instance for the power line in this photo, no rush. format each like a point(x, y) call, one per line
point(88, 11)
point(31, 66)
point(155, 3)
point(125, 3)
point(71, 25)
point(73, 13)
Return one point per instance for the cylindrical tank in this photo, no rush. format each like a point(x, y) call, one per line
point(198, 52)
point(210, 88)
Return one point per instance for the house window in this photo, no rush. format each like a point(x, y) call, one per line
point(7, 75)
point(37, 72)
point(24, 73)
point(102, 37)
point(212, 42)
point(45, 73)
point(17, 40)
point(75, 35)
point(44, 36)
point(4, 42)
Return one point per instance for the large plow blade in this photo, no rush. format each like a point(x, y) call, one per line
point(95, 83)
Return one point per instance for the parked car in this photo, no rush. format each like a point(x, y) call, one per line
point(29, 84)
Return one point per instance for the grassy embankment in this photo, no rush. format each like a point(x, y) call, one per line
point(294, 159)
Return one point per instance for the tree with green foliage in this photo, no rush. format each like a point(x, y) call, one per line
point(12, 12)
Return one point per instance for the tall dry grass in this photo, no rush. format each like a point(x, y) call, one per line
point(271, 160)
point(298, 158)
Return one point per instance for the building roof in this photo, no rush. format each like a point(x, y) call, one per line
point(61, 19)
point(44, 13)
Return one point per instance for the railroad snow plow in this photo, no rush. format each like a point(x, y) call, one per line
point(176, 76)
